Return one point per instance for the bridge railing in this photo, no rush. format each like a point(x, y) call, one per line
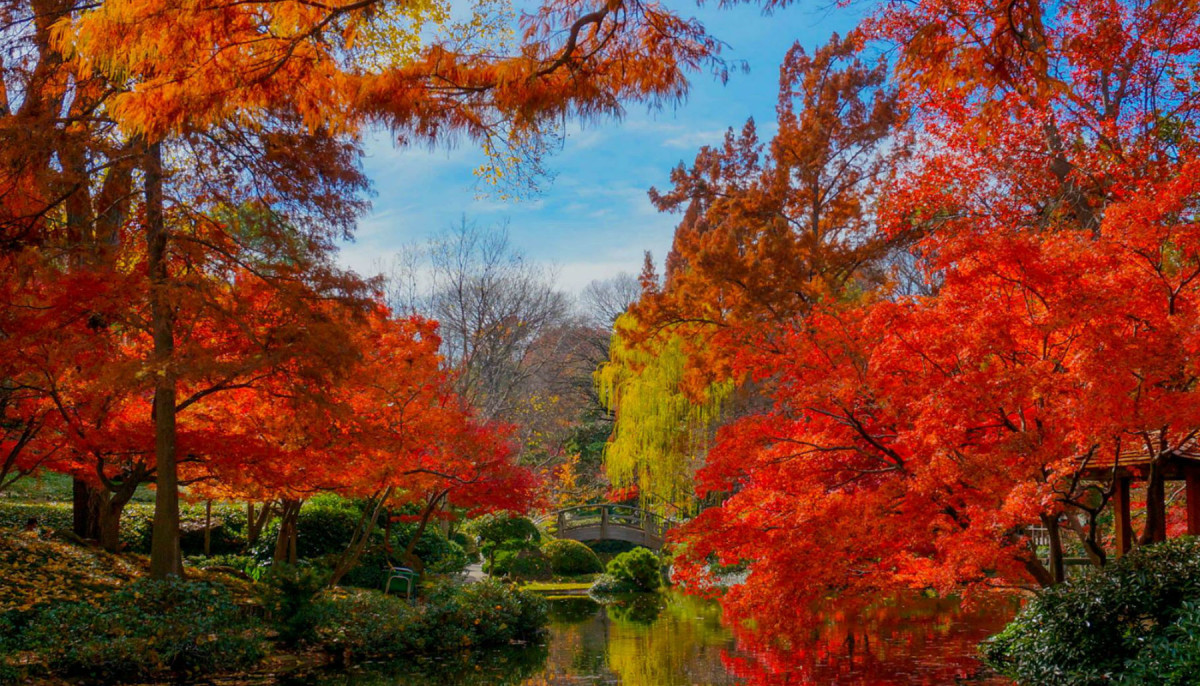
point(610, 515)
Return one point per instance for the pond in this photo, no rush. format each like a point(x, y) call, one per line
point(677, 640)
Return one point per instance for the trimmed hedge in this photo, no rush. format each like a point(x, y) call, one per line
point(569, 557)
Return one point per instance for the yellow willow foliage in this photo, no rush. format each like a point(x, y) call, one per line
point(653, 655)
point(660, 435)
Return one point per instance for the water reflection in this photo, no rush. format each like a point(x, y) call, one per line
point(676, 640)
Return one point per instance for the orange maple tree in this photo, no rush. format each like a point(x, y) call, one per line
point(179, 72)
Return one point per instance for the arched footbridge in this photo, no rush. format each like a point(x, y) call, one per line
point(610, 523)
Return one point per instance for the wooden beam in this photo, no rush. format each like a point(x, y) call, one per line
point(1123, 523)
point(1191, 476)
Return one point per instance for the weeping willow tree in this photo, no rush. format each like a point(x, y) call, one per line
point(661, 433)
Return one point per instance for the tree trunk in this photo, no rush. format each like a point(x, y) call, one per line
point(85, 511)
point(166, 558)
point(1088, 537)
point(409, 558)
point(285, 540)
point(1056, 567)
point(110, 525)
point(111, 506)
point(358, 543)
point(255, 523)
point(1156, 508)
point(1038, 571)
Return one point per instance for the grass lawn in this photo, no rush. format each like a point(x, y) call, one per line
point(53, 487)
point(556, 586)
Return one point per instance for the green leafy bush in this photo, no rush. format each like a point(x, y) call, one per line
point(439, 555)
point(288, 594)
point(10, 634)
point(501, 531)
point(368, 624)
point(569, 557)
point(325, 526)
point(1093, 629)
point(245, 564)
point(145, 630)
point(635, 571)
point(520, 564)
point(1171, 658)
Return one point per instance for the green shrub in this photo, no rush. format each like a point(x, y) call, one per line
point(325, 526)
point(497, 532)
point(500, 527)
point(145, 630)
point(437, 553)
point(492, 613)
point(245, 564)
point(10, 643)
point(637, 569)
point(466, 542)
point(368, 624)
point(288, 594)
point(1086, 631)
point(569, 557)
point(520, 564)
point(1171, 658)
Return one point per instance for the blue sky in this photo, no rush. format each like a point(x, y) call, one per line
point(593, 218)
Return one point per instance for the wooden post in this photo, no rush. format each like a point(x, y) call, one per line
point(1192, 486)
point(1121, 519)
point(604, 521)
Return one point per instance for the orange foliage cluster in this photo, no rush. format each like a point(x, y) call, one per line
point(174, 177)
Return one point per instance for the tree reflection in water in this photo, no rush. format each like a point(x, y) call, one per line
point(676, 640)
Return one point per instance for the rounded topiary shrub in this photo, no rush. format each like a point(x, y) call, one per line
point(1134, 622)
point(147, 629)
point(520, 564)
point(569, 557)
point(637, 571)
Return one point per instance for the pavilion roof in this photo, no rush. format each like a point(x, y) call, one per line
point(1136, 459)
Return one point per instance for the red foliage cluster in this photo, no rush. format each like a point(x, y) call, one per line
point(950, 290)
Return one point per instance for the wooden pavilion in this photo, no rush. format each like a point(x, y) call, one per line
point(1181, 463)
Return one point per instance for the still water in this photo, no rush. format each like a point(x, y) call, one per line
point(676, 640)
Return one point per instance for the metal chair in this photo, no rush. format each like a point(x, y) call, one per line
point(404, 573)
